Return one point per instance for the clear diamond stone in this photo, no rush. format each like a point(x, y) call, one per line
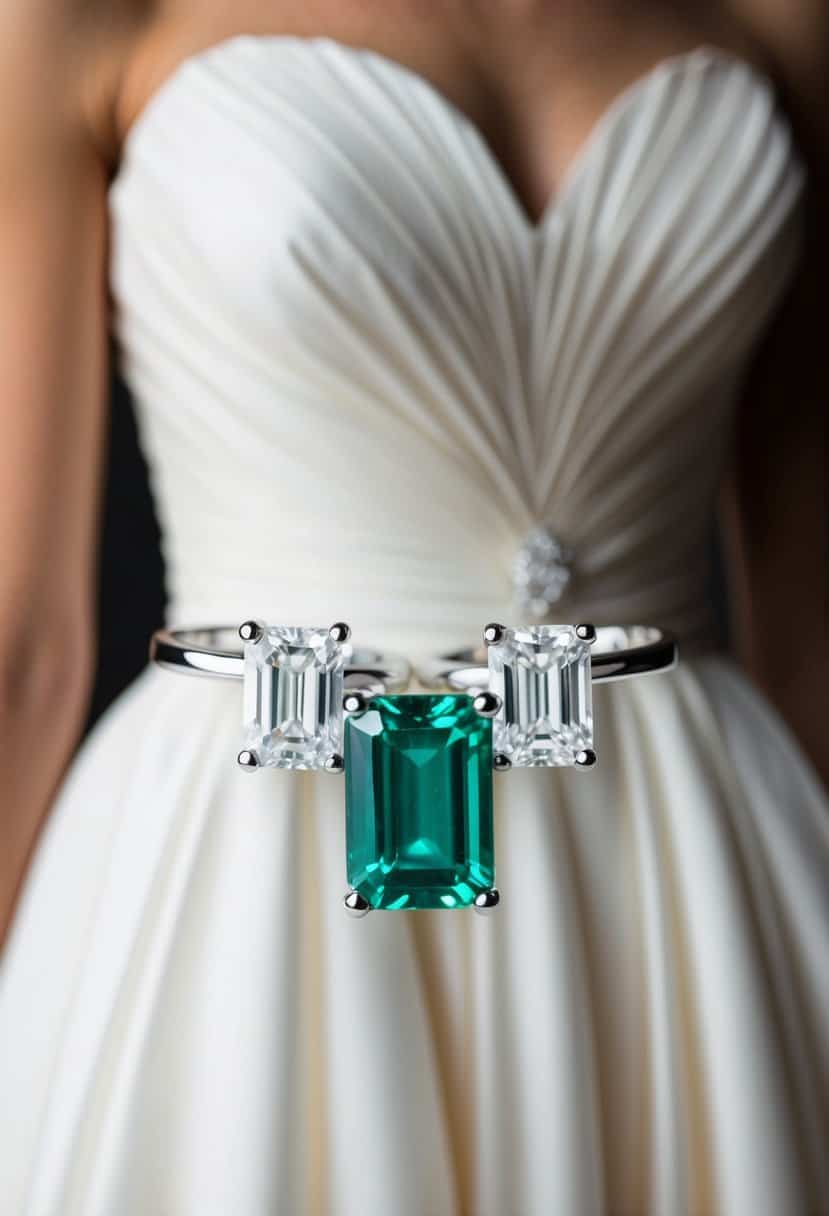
point(293, 688)
point(540, 572)
point(542, 675)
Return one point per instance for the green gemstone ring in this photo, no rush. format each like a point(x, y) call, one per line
point(418, 765)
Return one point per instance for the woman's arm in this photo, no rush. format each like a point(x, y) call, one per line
point(53, 343)
point(776, 505)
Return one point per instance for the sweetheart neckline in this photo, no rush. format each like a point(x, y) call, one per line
point(702, 55)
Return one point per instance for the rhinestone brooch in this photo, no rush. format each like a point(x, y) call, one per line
point(540, 572)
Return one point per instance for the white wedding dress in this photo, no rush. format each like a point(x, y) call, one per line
point(362, 376)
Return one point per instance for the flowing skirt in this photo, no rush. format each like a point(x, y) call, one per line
point(191, 1025)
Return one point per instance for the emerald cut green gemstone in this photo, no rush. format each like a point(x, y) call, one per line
point(418, 802)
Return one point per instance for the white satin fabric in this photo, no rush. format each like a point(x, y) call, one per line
point(362, 374)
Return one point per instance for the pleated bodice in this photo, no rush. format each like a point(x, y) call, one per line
point(363, 375)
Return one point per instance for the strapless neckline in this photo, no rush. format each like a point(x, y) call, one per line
point(632, 95)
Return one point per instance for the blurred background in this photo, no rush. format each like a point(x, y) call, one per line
point(131, 588)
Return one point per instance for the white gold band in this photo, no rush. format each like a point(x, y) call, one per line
point(217, 650)
point(617, 652)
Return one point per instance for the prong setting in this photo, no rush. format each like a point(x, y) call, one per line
point(355, 701)
point(487, 900)
point(247, 760)
point(501, 763)
point(586, 632)
point(251, 631)
point(355, 904)
point(487, 704)
point(292, 694)
point(335, 763)
point(543, 675)
point(493, 633)
point(340, 632)
point(585, 758)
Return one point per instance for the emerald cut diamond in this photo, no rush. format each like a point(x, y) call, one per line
point(418, 811)
point(542, 675)
point(293, 688)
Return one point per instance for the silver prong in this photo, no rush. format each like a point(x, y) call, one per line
point(247, 760)
point(355, 904)
point(493, 633)
point(355, 700)
point(487, 900)
point(586, 632)
point(501, 763)
point(250, 631)
point(340, 632)
point(487, 704)
point(334, 763)
point(586, 758)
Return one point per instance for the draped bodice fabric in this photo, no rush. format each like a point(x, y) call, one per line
point(363, 375)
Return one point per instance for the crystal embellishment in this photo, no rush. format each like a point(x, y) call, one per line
point(540, 572)
point(542, 675)
point(293, 690)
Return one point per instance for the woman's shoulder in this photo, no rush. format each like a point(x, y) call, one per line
point(61, 63)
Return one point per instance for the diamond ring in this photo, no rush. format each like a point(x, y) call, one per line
point(540, 678)
point(294, 680)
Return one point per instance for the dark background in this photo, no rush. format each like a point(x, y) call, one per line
point(131, 589)
point(131, 580)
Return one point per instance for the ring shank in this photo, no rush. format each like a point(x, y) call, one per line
point(217, 650)
point(618, 652)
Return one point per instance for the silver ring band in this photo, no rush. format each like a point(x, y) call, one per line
point(216, 650)
point(618, 651)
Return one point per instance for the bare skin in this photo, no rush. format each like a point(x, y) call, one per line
point(534, 77)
